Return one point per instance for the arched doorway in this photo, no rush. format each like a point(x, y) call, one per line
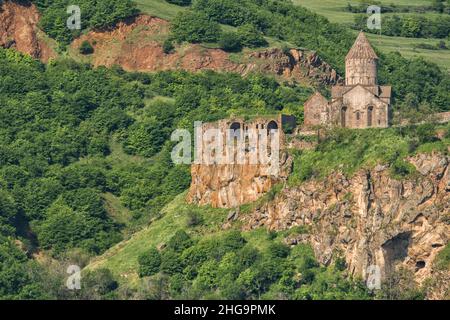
point(236, 128)
point(272, 125)
point(369, 116)
point(343, 117)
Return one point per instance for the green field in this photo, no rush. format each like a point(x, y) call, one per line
point(334, 11)
point(406, 47)
point(159, 8)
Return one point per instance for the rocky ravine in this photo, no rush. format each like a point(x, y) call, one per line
point(19, 30)
point(371, 218)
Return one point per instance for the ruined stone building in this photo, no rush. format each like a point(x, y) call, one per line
point(361, 102)
point(227, 185)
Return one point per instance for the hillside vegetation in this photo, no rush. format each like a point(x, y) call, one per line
point(86, 175)
point(412, 14)
point(70, 153)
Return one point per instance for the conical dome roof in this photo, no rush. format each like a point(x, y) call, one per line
point(361, 49)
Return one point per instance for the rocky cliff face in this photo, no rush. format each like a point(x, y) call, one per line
point(231, 185)
point(294, 64)
point(371, 218)
point(19, 30)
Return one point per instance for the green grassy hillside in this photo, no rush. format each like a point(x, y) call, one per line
point(335, 11)
point(159, 8)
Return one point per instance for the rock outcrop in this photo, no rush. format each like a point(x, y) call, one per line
point(294, 64)
point(370, 218)
point(136, 44)
point(231, 185)
point(19, 30)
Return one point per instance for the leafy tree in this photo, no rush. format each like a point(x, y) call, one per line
point(400, 285)
point(8, 211)
point(279, 250)
point(149, 263)
point(70, 224)
point(94, 14)
point(192, 26)
point(14, 277)
point(170, 262)
point(230, 41)
point(168, 46)
point(86, 48)
point(250, 36)
point(98, 284)
point(179, 241)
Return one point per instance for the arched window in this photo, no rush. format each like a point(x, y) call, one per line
point(236, 127)
point(358, 116)
point(369, 116)
point(272, 126)
point(343, 117)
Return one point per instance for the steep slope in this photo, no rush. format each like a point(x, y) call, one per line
point(371, 218)
point(137, 45)
point(19, 30)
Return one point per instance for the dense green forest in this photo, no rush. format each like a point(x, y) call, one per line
point(94, 14)
point(56, 138)
point(57, 165)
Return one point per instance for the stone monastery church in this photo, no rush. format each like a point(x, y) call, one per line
point(361, 102)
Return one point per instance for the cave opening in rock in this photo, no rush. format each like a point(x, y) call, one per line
point(395, 250)
point(420, 265)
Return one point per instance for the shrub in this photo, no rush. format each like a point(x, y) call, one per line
point(176, 284)
point(170, 262)
point(442, 261)
point(233, 241)
point(208, 275)
point(248, 255)
point(86, 48)
point(230, 41)
point(426, 133)
point(279, 250)
point(98, 283)
point(195, 27)
point(401, 168)
point(168, 46)
point(193, 219)
point(179, 241)
point(250, 36)
point(149, 263)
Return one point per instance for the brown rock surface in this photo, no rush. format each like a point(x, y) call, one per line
point(228, 186)
point(19, 30)
point(371, 218)
point(136, 45)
